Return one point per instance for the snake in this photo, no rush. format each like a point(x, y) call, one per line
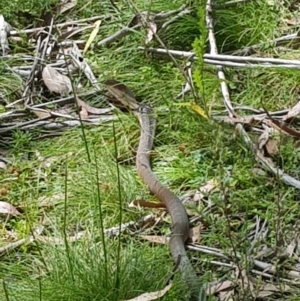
point(179, 218)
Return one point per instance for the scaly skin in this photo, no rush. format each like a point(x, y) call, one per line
point(180, 222)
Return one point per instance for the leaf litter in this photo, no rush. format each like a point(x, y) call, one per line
point(153, 295)
point(57, 80)
point(8, 209)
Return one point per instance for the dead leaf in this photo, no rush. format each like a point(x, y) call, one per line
point(152, 28)
point(272, 147)
point(152, 296)
point(294, 111)
point(205, 189)
point(209, 186)
point(144, 15)
point(41, 113)
point(183, 147)
point(220, 286)
point(46, 162)
point(50, 201)
point(92, 36)
point(197, 109)
point(290, 249)
point(145, 204)
point(83, 113)
point(226, 296)
point(2, 165)
point(191, 212)
point(195, 233)
point(90, 109)
point(3, 191)
point(244, 281)
point(8, 209)
point(266, 290)
point(263, 138)
point(258, 171)
point(292, 21)
point(163, 240)
point(198, 196)
point(67, 5)
point(58, 240)
point(105, 186)
point(55, 81)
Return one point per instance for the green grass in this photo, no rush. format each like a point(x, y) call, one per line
point(90, 195)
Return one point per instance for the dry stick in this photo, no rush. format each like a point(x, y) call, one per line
point(260, 233)
point(258, 111)
point(79, 60)
point(71, 43)
point(14, 245)
point(118, 35)
point(258, 155)
point(75, 32)
point(277, 42)
point(127, 30)
point(231, 3)
point(26, 70)
point(65, 100)
point(101, 17)
point(214, 51)
point(267, 164)
point(44, 123)
point(12, 115)
point(156, 17)
point(32, 72)
point(54, 125)
point(221, 76)
point(82, 64)
point(40, 57)
point(249, 65)
point(61, 101)
point(20, 125)
point(46, 41)
point(271, 268)
point(162, 16)
point(215, 58)
point(180, 14)
point(110, 232)
point(285, 178)
point(4, 28)
point(248, 119)
point(233, 266)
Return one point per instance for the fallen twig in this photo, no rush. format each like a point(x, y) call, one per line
point(229, 60)
point(60, 25)
point(266, 163)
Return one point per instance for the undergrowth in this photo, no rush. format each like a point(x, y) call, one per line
point(55, 183)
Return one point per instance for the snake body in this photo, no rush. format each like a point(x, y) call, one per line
point(180, 222)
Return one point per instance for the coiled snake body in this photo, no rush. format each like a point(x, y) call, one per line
point(180, 222)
